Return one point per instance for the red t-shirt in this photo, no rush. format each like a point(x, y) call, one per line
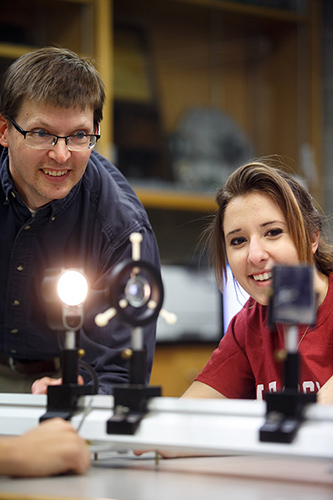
point(245, 366)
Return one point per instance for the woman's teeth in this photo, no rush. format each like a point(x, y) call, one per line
point(54, 173)
point(262, 277)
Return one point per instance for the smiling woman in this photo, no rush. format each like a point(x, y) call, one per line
point(265, 217)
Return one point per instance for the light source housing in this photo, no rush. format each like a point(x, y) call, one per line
point(65, 292)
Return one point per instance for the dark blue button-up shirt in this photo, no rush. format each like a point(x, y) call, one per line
point(88, 229)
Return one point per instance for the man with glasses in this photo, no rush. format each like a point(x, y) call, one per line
point(62, 206)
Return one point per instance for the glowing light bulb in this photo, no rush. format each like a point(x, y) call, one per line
point(72, 288)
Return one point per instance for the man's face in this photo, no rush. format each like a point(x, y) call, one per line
point(41, 176)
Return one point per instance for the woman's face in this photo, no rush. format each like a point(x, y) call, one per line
point(256, 238)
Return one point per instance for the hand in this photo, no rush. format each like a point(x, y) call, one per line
point(54, 447)
point(40, 385)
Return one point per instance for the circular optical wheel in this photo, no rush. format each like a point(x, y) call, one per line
point(136, 291)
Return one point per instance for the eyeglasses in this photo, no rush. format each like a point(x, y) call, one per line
point(39, 139)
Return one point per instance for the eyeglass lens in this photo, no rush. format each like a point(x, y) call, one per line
point(73, 142)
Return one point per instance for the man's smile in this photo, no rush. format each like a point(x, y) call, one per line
point(54, 173)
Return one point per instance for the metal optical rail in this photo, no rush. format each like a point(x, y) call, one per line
point(185, 425)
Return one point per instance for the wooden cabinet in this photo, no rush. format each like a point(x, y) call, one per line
point(256, 63)
point(176, 365)
point(252, 60)
point(27, 25)
point(84, 26)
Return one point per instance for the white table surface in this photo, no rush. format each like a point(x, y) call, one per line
point(125, 477)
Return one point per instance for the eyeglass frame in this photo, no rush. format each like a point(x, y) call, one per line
point(57, 137)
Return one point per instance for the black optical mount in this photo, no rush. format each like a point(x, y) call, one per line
point(292, 302)
point(285, 410)
point(136, 292)
point(64, 400)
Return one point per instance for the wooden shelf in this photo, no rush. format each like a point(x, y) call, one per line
point(13, 51)
point(78, 1)
point(176, 200)
point(240, 7)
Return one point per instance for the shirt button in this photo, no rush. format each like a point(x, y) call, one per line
point(52, 218)
point(14, 330)
point(27, 227)
point(16, 302)
point(20, 268)
point(13, 351)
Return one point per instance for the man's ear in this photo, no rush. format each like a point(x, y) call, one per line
point(3, 131)
point(314, 242)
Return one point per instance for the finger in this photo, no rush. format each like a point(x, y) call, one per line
point(40, 385)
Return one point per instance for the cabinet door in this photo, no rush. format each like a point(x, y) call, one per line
point(176, 366)
point(248, 72)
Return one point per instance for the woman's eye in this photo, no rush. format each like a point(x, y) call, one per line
point(274, 232)
point(237, 241)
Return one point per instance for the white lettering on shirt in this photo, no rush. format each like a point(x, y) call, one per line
point(307, 386)
point(260, 390)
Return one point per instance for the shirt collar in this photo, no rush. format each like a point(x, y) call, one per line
point(5, 178)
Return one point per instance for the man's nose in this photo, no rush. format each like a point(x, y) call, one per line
point(60, 151)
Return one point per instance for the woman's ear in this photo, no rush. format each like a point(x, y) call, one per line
point(3, 131)
point(314, 242)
